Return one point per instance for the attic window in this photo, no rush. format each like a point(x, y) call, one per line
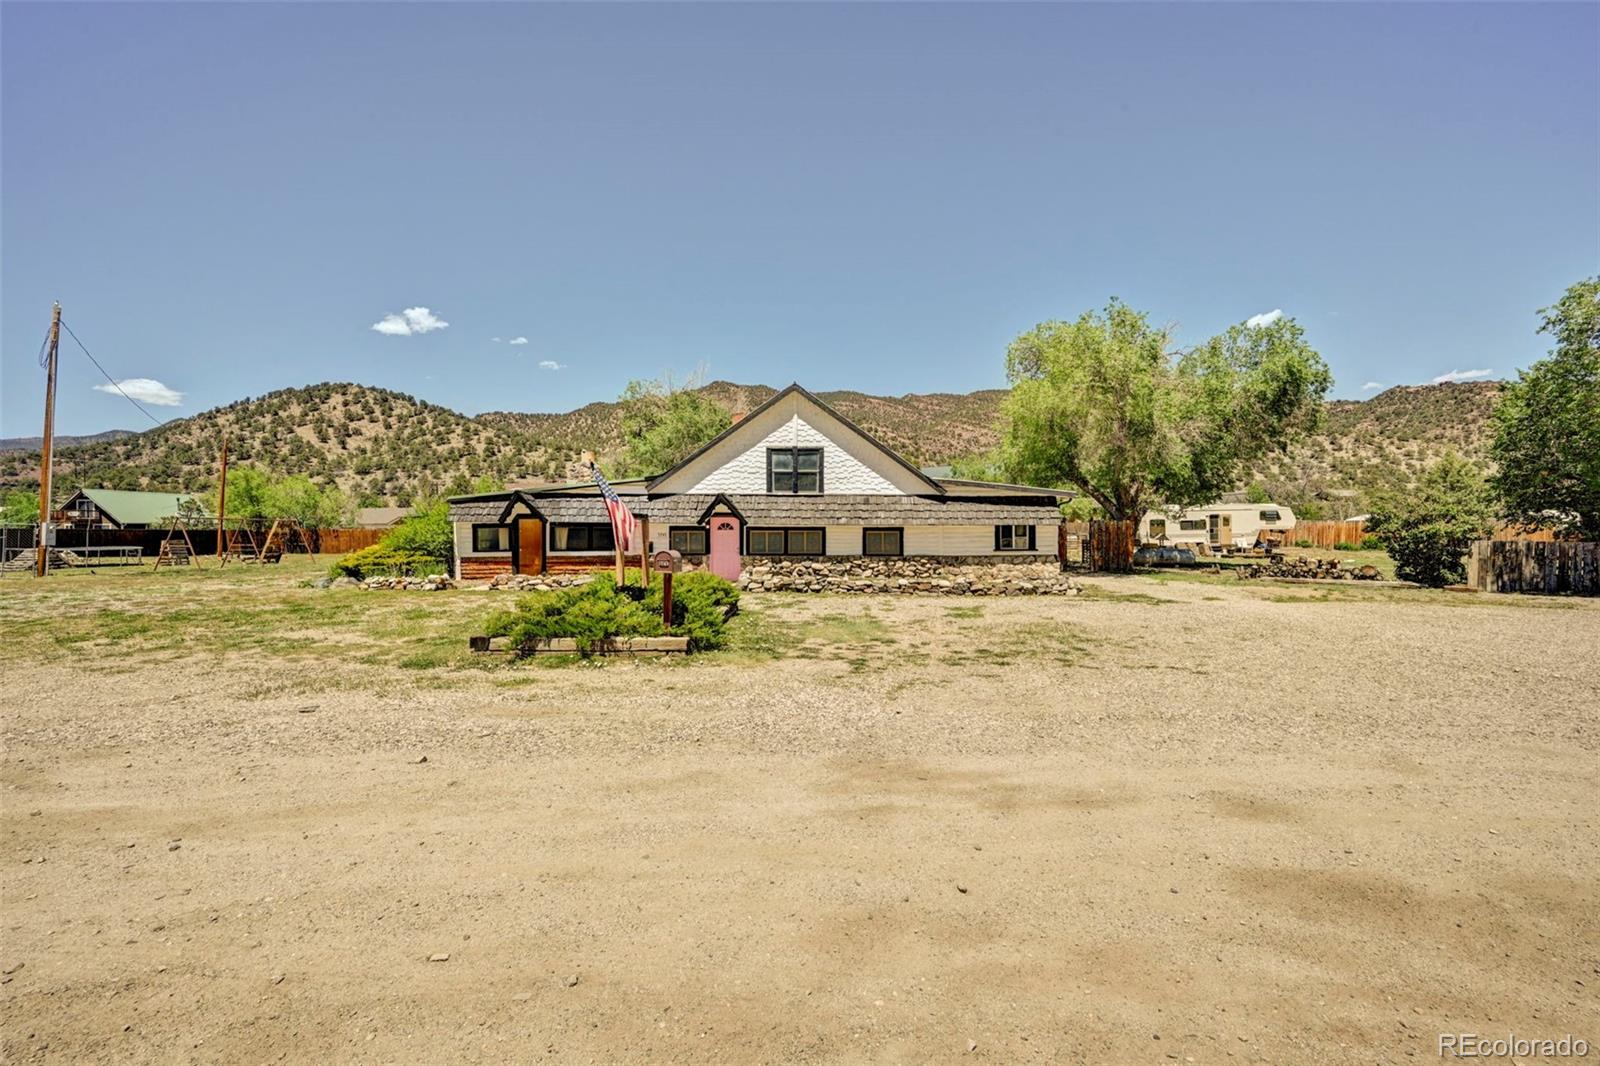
point(794, 469)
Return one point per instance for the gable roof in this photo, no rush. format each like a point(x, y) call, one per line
point(792, 390)
point(139, 508)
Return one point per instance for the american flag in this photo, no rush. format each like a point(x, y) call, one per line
point(623, 524)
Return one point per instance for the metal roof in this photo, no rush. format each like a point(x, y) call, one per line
point(126, 508)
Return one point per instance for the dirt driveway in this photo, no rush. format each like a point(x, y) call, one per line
point(1165, 821)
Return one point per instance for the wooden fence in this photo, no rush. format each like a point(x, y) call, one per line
point(1110, 547)
point(1105, 546)
point(1326, 534)
point(203, 537)
point(1072, 539)
point(1540, 566)
point(340, 541)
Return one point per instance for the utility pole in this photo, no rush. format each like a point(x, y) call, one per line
point(42, 552)
point(222, 496)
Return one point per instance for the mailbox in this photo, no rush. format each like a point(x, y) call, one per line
point(666, 562)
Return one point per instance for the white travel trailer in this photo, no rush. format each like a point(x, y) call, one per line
point(1233, 525)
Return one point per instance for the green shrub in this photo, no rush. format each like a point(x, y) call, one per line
point(1344, 546)
point(427, 532)
point(381, 560)
point(700, 603)
point(1371, 543)
point(602, 610)
point(1429, 530)
point(422, 543)
point(1303, 543)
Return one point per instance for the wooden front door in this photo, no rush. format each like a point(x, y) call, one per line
point(725, 561)
point(530, 546)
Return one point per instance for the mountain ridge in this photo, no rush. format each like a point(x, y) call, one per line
point(387, 446)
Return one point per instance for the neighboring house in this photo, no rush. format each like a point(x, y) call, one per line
point(793, 478)
point(381, 517)
point(121, 509)
point(1238, 525)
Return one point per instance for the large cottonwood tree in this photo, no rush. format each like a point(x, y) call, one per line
point(664, 423)
point(1107, 405)
point(1546, 444)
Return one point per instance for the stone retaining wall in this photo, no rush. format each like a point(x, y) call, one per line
point(541, 582)
point(947, 575)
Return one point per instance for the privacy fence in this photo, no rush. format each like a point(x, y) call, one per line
point(1326, 534)
point(1549, 567)
point(1102, 546)
point(326, 541)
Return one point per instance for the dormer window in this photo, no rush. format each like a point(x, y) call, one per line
point(794, 469)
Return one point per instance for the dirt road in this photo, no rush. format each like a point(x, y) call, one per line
point(1161, 822)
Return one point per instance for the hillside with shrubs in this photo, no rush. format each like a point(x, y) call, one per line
point(384, 447)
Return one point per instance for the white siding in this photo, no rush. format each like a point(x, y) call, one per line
point(937, 540)
point(852, 464)
point(842, 472)
point(971, 540)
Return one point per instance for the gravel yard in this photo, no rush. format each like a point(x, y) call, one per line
point(1166, 820)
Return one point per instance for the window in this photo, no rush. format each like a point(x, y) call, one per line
point(491, 538)
point(1192, 524)
point(1270, 516)
point(766, 542)
point(689, 540)
point(1013, 538)
point(785, 542)
point(590, 537)
point(1158, 528)
point(794, 469)
point(883, 542)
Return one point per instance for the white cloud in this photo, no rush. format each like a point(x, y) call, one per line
point(551, 364)
point(517, 340)
point(411, 320)
point(1267, 319)
point(145, 390)
point(1461, 375)
point(495, 339)
point(1369, 386)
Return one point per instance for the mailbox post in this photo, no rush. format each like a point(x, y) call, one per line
point(666, 563)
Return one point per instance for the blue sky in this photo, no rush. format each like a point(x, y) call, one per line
point(226, 198)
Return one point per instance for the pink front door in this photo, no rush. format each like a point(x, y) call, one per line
point(725, 546)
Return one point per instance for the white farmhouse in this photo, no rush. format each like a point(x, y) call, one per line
point(793, 479)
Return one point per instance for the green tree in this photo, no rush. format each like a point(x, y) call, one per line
point(1104, 404)
point(663, 424)
point(249, 495)
point(299, 499)
point(1546, 444)
point(20, 507)
point(1429, 529)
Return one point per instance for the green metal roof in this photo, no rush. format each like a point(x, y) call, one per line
point(140, 508)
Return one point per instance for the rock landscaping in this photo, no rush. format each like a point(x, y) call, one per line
point(427, 583)
point(937, 575)
point(539, 582)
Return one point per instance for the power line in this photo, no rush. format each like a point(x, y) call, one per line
point(108, 377)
